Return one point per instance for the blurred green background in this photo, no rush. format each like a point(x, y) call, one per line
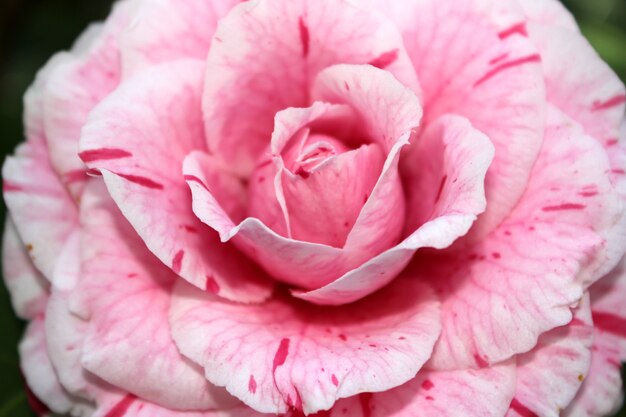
point(32, 30)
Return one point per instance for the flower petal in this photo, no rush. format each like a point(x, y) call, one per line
point(187, 34)
point(42, 210)
point(288, 354)
point(467, 56)
point(27, 287)
point(601, 394)
point(468, 393)
point(40, 375)
point(450, 150)
point(392, 111)
point(607, 305)
point(65, 333)
point(499, 295)
point(550, 375)
point(549, 12)
point(593, 96)
point(124, 292)
point(130, 405)
point(265, 56)
point(138, 137)
point(324, 206)
point(82, 78)
point(389, 112)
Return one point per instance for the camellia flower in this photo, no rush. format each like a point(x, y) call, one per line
point(363, 208)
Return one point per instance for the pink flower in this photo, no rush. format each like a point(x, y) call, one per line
point(343, 208)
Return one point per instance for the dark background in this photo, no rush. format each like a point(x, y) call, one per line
point(32, 30)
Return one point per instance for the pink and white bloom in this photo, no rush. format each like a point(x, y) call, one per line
point(360, 208)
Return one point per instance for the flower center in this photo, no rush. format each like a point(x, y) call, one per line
point(315, 189)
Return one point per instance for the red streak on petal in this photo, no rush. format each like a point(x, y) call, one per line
point(197, 180)
point(618, 171)
point(365, 400)
point(103, 154)
point(252, 385)
point(610, 323)
point(612, 142)
point(122, 407)
point(499, 58)
point(564, 206)
point(610, 103)
point(480, 361)
point(385, 59)
point(77, 175)
point(519, 28)
point(441, 185)
point(304, 37)
point(334, 380)
point(588, 193)
point(211, 285)
point(298, 403)
point(343, 337)
point(507, 65)
point(428, 384)
point(521, 409)
point(301, 172)
point(143, 181)
point(281, 354)
point(177, 262)
point(8, 187)
point(615, 363)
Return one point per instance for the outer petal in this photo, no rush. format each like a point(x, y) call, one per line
point(265, 56)
point(27, 287)
point(82, 78)
point(594, 96)
point(501, 294)
point(187, 34)
point(287, 354)
point(608, 307)
point(465, 393)
point(131, 406)
point(42, 210)
point(40, 375)
point(124, 292)
point(549, 376)
point(65, 333)
point(450, 150)
point(138, 137)
point(590, 93)
point(467, 56)
point(601, 394)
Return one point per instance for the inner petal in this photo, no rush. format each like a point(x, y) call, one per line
point(314, 150)
point(318, 190)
